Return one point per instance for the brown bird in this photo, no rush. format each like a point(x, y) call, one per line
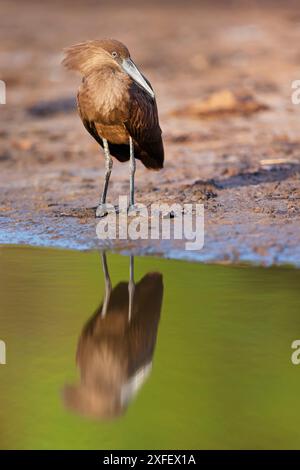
point(116, 347)
point(117, 106)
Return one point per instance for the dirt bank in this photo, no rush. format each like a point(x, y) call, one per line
point(222, 74)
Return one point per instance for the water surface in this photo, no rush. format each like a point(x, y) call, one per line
point(201, 358)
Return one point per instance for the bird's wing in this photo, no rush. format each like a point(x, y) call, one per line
point(143, 126)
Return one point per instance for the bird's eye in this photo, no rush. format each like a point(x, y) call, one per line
point(114, 54)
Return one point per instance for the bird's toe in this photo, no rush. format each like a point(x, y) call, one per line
point(104, 209)
point(136, 210)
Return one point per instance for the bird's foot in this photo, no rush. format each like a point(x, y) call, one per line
point(134, 209)
point(104, 209)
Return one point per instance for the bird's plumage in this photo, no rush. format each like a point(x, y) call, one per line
point(112, 105)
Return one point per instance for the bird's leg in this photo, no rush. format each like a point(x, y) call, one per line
point(131, 288)
point(108, 168)
point(132, 166)
point(103, 209)
point(107, 285)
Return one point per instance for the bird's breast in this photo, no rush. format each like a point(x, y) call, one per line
point(115, 134)
point(104, 97)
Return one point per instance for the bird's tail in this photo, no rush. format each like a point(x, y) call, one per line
point(154, 158)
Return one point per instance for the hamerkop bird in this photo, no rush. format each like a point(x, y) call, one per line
point(118, 108)
point(116, 347)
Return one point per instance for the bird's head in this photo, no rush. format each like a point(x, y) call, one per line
point(90, 56)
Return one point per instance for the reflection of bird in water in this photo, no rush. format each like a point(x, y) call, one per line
point(116, 346)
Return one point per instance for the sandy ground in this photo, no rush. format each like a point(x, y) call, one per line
point(222, 72)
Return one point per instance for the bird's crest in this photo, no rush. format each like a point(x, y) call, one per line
point(82, 57)
point(87, 56)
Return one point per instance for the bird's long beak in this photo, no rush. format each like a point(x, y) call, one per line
point(132, 70)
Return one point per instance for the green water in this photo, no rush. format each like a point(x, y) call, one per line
point(221, 376)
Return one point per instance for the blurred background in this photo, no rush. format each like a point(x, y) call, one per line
point(188, 50)
point(222, 72)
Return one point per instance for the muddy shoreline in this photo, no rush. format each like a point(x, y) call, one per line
point(231, 133)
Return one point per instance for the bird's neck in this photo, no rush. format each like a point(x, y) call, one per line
point(107, 88)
